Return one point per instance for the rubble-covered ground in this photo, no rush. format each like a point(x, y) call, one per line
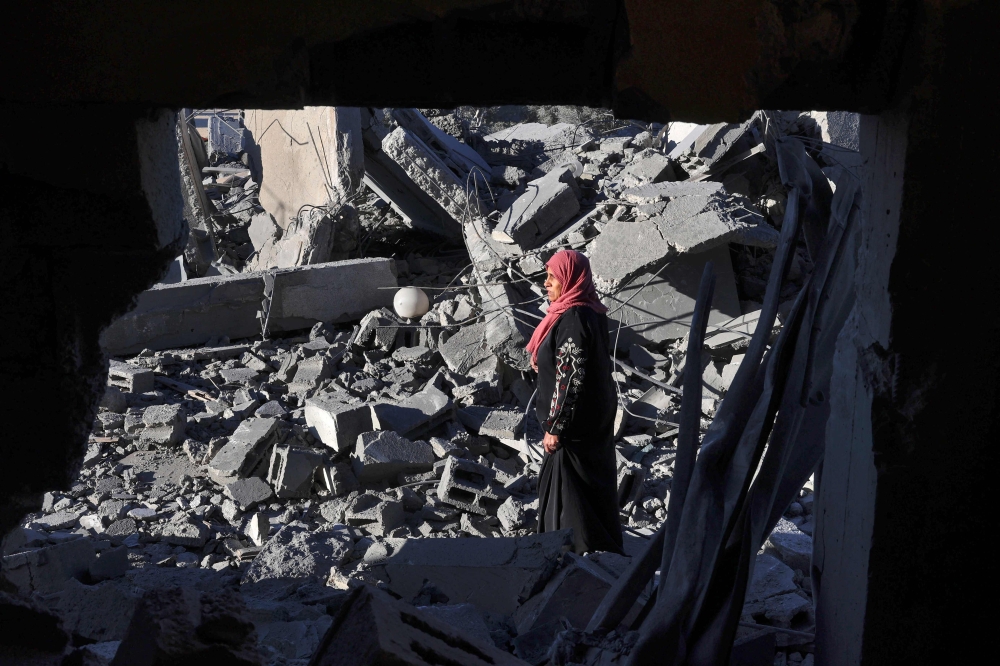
point(291, 469)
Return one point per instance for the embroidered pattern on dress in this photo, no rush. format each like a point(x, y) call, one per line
point(569, 383)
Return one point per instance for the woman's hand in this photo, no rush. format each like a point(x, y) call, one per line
point(534, 365)
point(550, 442)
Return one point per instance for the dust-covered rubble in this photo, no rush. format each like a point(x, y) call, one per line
point(295, 469)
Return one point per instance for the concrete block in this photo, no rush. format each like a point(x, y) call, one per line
point(189, 533)
point(495, 422)
point(431, 174)
point(165, 424)
point(190, 312)
point(337, 423)
point(46, 570)
point(378, 516)
point(291, 174)
point(249, 492)
point(244, 450)
point(468, 485)
point(378, 329)
point(663, 308)
point(385, 455)
point(388, 631)
point(495, 575)
point(311, 372)
point(415, 415)
point(547, 204)
point(295, 553)
point(512, 514)
point(130, 378)
point(292, 471)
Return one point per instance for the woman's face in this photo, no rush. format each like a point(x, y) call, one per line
point(552, 285)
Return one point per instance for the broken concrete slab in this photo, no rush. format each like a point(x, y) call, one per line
point(337, 423)
point(100, 612)
point(510, 323)
point(433, 175)
point(292, 470)
point(311, 372)
point(651, 193)
point(185, 625)
point(467, 352)
point(373, 624)
point(385, 455)
point(547, 204)
point(317, 236)
point(652, 167)
point(46, 570)
point(494, 422)
point(190, 312)
point(791, 546)
point(663, 307)
point(495, 575)
point(111, 563)
point(249, 492)
point(244, 450)
point(489, 255)
point(573, 594)
point(191, 533)
point(468, 486)
point(415, 415)
point(291, 175)
point(463, 617)
point(538, 138)
point(771, 577)
point(296, 553)
point(687, 225)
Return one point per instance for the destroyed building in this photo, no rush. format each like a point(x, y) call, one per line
point(288, 414)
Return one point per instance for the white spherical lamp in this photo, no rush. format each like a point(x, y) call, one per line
point(411, 302)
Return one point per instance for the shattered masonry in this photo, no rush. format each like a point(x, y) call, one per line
point(304, 444)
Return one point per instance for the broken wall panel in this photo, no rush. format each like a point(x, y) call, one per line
point(305, 157)
point(191, 312)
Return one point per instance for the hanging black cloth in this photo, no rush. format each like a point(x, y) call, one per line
point(577, 486)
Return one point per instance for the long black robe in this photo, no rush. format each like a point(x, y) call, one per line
point(577, 486)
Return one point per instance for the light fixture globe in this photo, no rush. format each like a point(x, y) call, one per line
point(411, 303)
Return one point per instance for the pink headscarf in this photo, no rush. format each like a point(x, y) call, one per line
point(572, 270)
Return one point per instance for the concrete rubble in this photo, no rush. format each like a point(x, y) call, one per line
point(285, 437)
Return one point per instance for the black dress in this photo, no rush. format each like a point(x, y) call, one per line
point(577, 486)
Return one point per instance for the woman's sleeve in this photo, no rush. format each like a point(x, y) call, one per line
point(571, 363)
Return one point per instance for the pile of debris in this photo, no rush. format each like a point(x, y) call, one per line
point(301, 472)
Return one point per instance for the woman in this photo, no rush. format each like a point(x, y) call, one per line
point(576, 404)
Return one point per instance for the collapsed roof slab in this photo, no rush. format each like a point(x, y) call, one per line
point(191, 312)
